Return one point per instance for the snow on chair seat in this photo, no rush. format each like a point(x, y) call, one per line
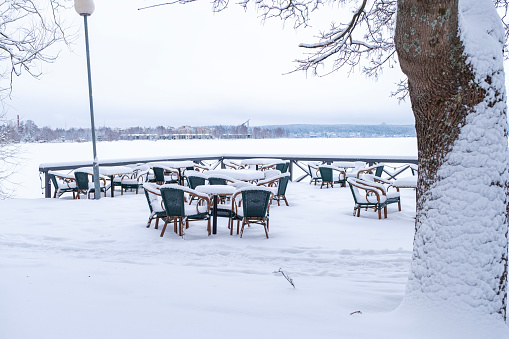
point(366, 195)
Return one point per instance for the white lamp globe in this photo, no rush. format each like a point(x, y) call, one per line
point(84, 7)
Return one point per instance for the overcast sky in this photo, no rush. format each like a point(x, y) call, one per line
point(183, 64)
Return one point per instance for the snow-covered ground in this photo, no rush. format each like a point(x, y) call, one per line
point(91, 269)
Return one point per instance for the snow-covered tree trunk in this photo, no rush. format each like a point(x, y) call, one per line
point(452, 54)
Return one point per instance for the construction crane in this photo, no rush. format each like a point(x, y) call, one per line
point(246, 124)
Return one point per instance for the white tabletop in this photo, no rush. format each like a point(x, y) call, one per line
point(172, 164)
point(343, 164)
point(405, 182)
point(107, 170)
point(216, 189)
point(241, 174)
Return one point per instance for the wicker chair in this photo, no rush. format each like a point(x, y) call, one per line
point(179, 212)
point(314, 173)
point(369, 194)
point(63, 184)
point(278, 185)
point(195, 179)
point(157, 212)
point(86, 187)
point(251, 206)
point(375, 170)
point(133, 181)
point(387, 187)
point(231, 164)
point(331, 175)
point(358, 171)
point(280, 166)
point(165, 175)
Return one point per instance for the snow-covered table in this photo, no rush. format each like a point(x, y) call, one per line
point(241, 174)
point(259, 162)
point(215, 191)
point(109, 171)
point(405, 182)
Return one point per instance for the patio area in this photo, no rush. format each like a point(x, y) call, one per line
point(73, 263)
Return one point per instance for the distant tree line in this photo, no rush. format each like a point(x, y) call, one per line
point(28, 131)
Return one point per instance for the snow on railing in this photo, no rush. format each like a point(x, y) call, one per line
point(295, 159)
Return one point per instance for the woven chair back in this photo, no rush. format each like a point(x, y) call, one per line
point(281, 187)
point(217, 181)
point(173, 201)
point(193, 181)
point(255, 203)
point(151, 199)
point(379, 171)
point(158, 174)
point(326, 174)
point(81, 180)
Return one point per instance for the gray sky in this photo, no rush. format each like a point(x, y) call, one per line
point(183, 64)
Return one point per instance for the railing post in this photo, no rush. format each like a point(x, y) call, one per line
point(47, 185)
point(290, 169)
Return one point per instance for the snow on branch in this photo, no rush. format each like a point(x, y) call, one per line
point(366, 40)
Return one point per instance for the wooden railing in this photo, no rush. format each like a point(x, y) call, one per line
point(398, 164)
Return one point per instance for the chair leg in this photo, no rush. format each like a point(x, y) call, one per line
point(208, 227)
point(379, 213)
point(149, 222)
point(157, 223)
point(399, 206)
point(385, 212)
point(164, 227)
point(242, 229)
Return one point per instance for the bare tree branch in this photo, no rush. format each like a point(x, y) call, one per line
point(27, 30)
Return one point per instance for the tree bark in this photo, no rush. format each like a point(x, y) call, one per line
point(460, 244)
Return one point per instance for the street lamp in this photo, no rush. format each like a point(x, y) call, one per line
point(85, 8)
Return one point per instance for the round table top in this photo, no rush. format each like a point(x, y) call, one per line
point(216, 189)
point(241, 174)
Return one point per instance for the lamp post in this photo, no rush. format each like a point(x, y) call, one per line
point(85, 8)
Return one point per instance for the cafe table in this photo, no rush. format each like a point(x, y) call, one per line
point(257, 162)
point(215, 191)
point(108, 171)
point(240, 174)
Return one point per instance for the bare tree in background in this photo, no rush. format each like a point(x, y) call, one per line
point(460, 246)
point(28, 28)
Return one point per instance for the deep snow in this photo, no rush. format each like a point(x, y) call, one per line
point(91, 269)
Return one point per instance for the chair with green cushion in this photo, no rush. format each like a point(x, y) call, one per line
point(367, 196)
point(283, 166)
point(278, 185)
point(251, 206)
point(179, 212)
point(154, 204)
point(331, 175)
point(86, 186)
point(165, 175)
point(195, 179)
point(134, 181)
point(217, 181)
point(314, 173)
point(62, 184)
point(375, 170)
